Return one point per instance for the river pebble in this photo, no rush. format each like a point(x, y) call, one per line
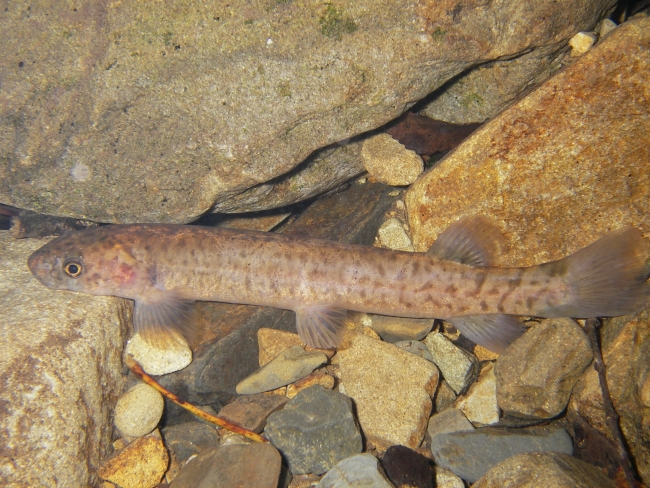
point(139, 410)
point(449, 420)
point(252, 411)
point(357, 471)
point(471, 454)
point(415, 347)
point(479, 404)
point(389, 161)
point(272, 342)
point(315, 430)
point(458, 367)
point(392, 235)
point(186, 440)
point(290, 365)
point(395, 329)
point(404, 466)
point(158, 361)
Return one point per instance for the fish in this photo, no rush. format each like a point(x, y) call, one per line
point(165, 268)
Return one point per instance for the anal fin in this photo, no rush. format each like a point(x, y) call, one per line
point(321, 326)
point(166, 320)
point(493, 331)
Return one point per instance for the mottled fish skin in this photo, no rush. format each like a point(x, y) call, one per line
point(146, 262)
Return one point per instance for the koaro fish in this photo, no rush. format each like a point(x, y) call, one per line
point(164, 268)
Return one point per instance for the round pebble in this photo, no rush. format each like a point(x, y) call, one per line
point(138, 411)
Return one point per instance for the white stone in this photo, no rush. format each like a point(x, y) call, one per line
point(157, 361)
point(138, 411)
point(582, 42)
point(393, 236)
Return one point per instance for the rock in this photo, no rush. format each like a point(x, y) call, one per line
point(471, 454)
point(449, 420)
point(447, 479)
point(141, 464)
point(393, 236)
point(252, 411)
point(60, 365)
point(156, 361)
point(290, 365)
point(138, 411)
point(582, 42)
point(227, 349)
point(625, 342)
point(483, 92)
point(548, 469)
point(355, 472)
point(404, 466)
point(445, 396)
point(186, 440)
point(272, 342)
point(561, 167)
point(458, 367)
point(606, 26)
point(395, 329)
point(315, 430)
point(316, 378)
point(415, 347)
point(535, 377)
point(479, 404)
point(253, 464)
point(389, 161)
point(135, 121)
point(391, 388)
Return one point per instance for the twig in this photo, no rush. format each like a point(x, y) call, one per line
point(611, 416)
point(238, 429)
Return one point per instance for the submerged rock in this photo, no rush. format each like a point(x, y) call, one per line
point(356, 471)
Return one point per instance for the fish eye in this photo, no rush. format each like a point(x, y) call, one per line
point(73, 268)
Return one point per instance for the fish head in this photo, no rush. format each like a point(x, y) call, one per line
point(95, 261)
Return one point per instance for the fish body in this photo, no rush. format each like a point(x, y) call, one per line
point(164, 268)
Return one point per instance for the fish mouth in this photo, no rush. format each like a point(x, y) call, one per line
point(41, 269)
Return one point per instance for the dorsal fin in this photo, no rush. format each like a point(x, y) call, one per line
point(473, 240)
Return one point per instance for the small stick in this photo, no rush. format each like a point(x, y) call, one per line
point(238, 429)
point(610, 414)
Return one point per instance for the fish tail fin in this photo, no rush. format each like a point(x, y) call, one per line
point(606, 278)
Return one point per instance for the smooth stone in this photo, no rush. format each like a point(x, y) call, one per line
point(471, 454)
point(557, 193)
point(479, 404)
point(393, 236)
point(535, 378)
point(141, 464)
point(315, 430)
point(138, 411)
point(447, 479)
point(606, 26)
point(158, 361)
point(395, 329)
point(391, 388)
point(625, 343)
point(449, 420)
point(288, 366)
point(241, 465)
point(547, 469)
point(190, 438)
point(272, 342)
point(404, 466)
point(458, 367)
point(60, 370)
point(357, 471)
point(415, 347)
point(252, 411)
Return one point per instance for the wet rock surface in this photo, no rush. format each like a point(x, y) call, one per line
point(404, 466)
point(458, 367)
point(355, 471)
point(190, 438)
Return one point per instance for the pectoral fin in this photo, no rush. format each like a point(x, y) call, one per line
point(493, 331)
point(474, 241)
point(165, 320)
point(321, 326)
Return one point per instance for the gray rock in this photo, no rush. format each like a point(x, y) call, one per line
point(254, 464)
point(458, 367)
point(536, 376)
point(190, 438)
point(358, 471)
point(548, 469)
point(395, 329)
point(288, 366)
point(471, 454)
point(449, 420)
point(60, 375)
point(161, 118)
point(415, 347)
point(315, 430)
